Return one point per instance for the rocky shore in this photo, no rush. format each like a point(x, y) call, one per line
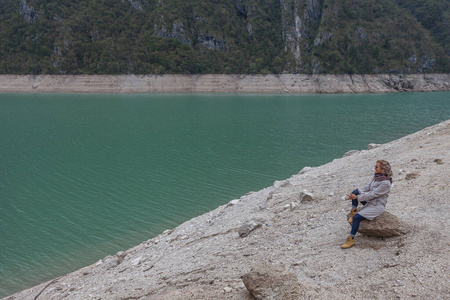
point(293, 231)
point(219, 83)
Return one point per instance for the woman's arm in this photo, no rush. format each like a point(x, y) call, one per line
point(366, 188)
point(382, 189)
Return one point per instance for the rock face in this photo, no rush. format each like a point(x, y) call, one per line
point(385, 225)
point(272, 282)
point(211, 42)
point(177, 32)
point(27, 12)
point(298, 21)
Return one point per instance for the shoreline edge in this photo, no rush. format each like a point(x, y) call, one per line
point(221, 83)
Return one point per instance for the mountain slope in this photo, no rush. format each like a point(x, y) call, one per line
point(219, 36)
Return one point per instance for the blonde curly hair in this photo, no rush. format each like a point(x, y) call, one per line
point(385, 167)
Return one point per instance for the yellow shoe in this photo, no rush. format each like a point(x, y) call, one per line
point(350, 242)
point(353, 212)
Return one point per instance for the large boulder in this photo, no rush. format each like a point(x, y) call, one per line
point(385, 225)
point(272, 282)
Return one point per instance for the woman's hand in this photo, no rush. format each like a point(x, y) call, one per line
point(351, 196)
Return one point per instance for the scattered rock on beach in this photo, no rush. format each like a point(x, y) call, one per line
point(249, 226)
point(306, 196)
point(350, 153)
point(304, 170)
point(411, 176)
point(438, 161)
point(271, 282)
point(372, 146)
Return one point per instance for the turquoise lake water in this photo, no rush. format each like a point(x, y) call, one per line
point(83, 176)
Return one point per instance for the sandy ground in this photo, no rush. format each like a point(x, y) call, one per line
point(205, 258)
point(220, 83)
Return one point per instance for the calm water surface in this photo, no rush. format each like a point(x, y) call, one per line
point(85, 176)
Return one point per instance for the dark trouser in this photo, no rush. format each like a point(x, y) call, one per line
point(355, 201)
point(355, 225)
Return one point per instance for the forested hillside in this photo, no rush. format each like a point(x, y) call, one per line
point(224, 36)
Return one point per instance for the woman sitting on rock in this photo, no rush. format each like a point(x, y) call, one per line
point(373, 197)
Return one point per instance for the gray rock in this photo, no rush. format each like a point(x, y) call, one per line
point(249, 226)
point(385, 225)
point(27, 12)
point(281, 184)
point(211, 42)
point(412, 59)
point(372, 146)
point(350, 153)
point(304, 170)
point(112, 263)
point(306, 196)
point(411, 176)
point(321, 37)
point(293, 206)
point(136, 5)
point(271, 282)
point(233, 202)
point(137, 261)
point(438, 161)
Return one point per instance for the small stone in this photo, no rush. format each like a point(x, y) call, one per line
point(227, 289)
point(233, 202)
point(372, 146)
point(411, 176)
point(112, 263)
point(351, 152)
point(306, 196)
point(292, 206)
point(438, 161)
point(249, 226)
point(304, 170)
point(137, 261)
point(278, 184)
point(411, 208)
